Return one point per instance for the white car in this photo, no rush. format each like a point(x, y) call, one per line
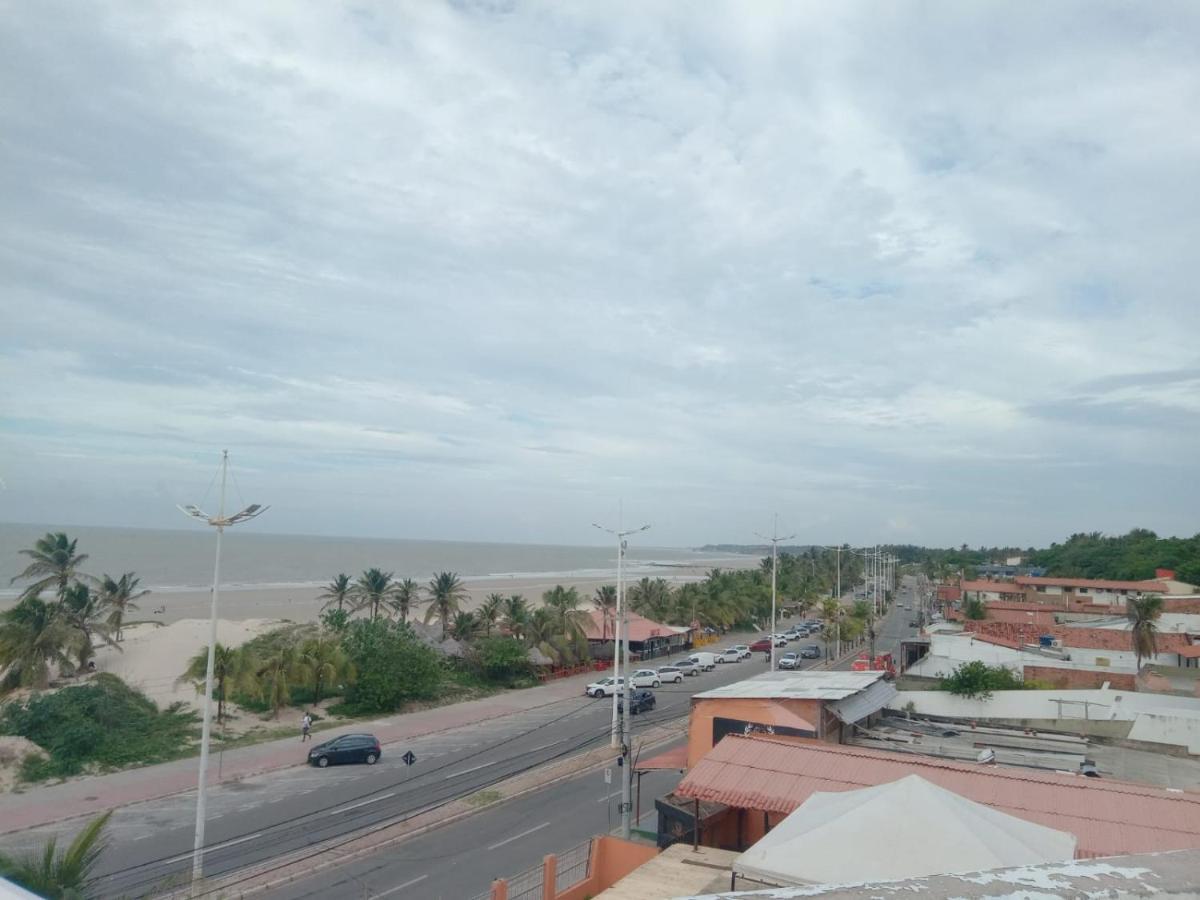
point(644, 678)
point(728, 655)
point(743, 651)
point(780, 640)
point(673, 673)
point(790, 660)
point(605, 687)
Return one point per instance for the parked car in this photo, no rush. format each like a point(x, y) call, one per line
point(644, 678)
point(743, 650)
point(347, 748)
point(780, 640)
point(670, 673)
point(810, 651)
point(687, 666)
point(913, 623)
point(762, 645)
point(705, 660)
point(639, 701)
point(605, 687)
point(729, 654)
point(790, 660)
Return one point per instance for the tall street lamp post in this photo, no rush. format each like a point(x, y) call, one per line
point(774, 539)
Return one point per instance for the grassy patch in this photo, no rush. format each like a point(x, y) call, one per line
point(484, 798)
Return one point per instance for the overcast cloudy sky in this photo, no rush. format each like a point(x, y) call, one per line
point(898, 271)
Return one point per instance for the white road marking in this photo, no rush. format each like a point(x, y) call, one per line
point(208, 850)
point(363, 803)
point(398, 887)
point(472, 769)
point(519, 836)
point(609, 797)
point(544, 746)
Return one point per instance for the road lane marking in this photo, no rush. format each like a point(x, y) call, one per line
point(398, 887)
point(363, 803)
point(516, 837)
point(472, 769)
point(609, 797)
point(214, 847)
point(544, 746)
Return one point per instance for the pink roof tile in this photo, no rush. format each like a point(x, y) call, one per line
point(640, 628)
point(1107, 817)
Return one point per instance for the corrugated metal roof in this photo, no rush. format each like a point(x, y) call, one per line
point(805, 685)
point(1108, 817)
point(858, 706)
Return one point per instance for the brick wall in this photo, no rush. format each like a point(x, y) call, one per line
point(1077, 679)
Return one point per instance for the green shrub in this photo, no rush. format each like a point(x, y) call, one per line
point(502, 659)
point(104, 723)
point(977, 679)
point(393, 666)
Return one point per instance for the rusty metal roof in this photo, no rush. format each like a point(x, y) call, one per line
point(1108, 817)
point(805, 685)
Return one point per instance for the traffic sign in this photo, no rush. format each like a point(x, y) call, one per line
point(608, 776)
point(409, 758)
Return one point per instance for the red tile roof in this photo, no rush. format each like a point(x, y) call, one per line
point(1153, 586)
point(1081, 638)
point(996, 587)
point(640, 628)
point(1107, 817)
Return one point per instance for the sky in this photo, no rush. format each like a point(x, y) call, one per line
point(903, 272)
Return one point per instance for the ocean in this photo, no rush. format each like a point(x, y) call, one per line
point(169, 560)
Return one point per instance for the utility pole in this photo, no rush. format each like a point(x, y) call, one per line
point(220, 522)
point(774, 539)
point(621, 695)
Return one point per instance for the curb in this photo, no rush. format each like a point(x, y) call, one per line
point(561, 771)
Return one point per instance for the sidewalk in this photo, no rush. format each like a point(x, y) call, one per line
point(46, 804)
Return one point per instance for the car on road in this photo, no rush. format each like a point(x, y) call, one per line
point(913, 623)
point(639, 701)
point(687, 666)
point(729, 655)
point(605, 687)
point(346, 748)
point(670, 674)
point(781, 640)
point(762, 645)
point(644, 678)
point(790, 660)
point(810, 651)
point(705, 660)
point(743, 650)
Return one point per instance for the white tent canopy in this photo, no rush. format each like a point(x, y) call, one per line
point(902, 829)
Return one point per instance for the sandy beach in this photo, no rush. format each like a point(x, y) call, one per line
point(300, 604)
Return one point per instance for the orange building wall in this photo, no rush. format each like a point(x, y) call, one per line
point(765, 712)
point(612, 859)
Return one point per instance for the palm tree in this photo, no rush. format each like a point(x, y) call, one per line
point(336, 591)
point(464, 625)
point(234, 671)
point(543, 631)
point(33, 636)
point(405, 598)
point(119, 596)
point(276, 674)
point(55, 564)
point(605, 602)
point(372, 590)
point(82, 609)
point(563, 603)
point(489, 612)
point(59, 875)
point(446, 593)
point(652, 598)
point(516, 614)
point(1143, 613)
point(831, 615)
point(325, 661)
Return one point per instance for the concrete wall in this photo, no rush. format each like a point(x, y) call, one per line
point(612, 859)
point(1116, 705)
point(1168, 727)
point(1061, 678)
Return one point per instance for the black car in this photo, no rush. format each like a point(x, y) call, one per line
point(639, 701)
point(349, 748)
point(810, 651)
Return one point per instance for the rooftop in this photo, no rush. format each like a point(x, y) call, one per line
point(1098, 584)
point(640, 628)
point(676, 870)
point(805, 685)
point(1107, 817)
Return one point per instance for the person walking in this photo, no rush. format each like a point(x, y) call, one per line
point(305, 727)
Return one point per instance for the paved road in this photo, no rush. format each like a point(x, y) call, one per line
point(460, 860)
point(264, 816)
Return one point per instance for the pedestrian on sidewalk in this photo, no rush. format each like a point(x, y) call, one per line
point(305, 727)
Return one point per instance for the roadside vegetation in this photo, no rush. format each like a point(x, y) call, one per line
point(59, 874)
point(977, 680)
